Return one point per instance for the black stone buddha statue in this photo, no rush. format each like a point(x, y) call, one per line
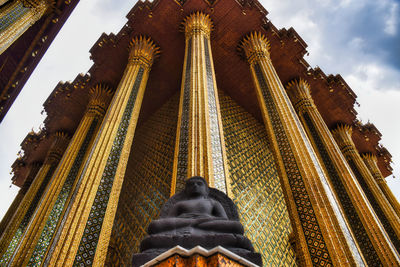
point(197, 216)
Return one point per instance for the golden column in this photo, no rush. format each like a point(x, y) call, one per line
point(84, 234)
point(42, 228)
point(322, 236)
point(200, 148)
point(16, 228)
point(380, 204)
point(34, 168)
point(17, 17)
point(372, 164)
point(366, 228)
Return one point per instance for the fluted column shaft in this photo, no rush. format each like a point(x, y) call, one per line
point(366, 227)
point(17, 201)
point(200, 148)
point(84, 235)
point(43, 226)
point(16, 229)
point(372, 164)
point(311, 202)
point(380, 204)
point(17, 17)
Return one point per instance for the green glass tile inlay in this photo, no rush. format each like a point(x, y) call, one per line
point(147, 182)
point(55, 214)
point(8, 19)
point(353, 219)
point(28, 215)
point(184, 125)
point(91, 234)
point(315, 241)
point(375, 205)
point(256, 185)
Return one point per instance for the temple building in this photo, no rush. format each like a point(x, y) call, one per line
point(27, 28)
point(202, 88)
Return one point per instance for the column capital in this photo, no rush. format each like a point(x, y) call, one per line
point(342, 135)
point(198, 23)
point(370, 157)
point(255, 47)
point(143, 51)
point(300, 93)
point(37, 4)
point(100, 94)
point(372, 163)
point(60, 143)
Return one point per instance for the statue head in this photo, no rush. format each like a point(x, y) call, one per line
point(196, 186)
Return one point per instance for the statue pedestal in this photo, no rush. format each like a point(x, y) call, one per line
point(197, 256)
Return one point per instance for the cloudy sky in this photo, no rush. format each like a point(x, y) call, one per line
point(358, 39)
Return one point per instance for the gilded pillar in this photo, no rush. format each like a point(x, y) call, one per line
point(15, 231)
point(367, 230)
point(319, 226)
point(200, 148)
point(376, 198)
point(34, 168)
point(40, 233)
point(17, 17)
point(372, 164)
point(84, 234)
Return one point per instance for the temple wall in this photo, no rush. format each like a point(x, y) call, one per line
point(256, 185)
point(147, 183)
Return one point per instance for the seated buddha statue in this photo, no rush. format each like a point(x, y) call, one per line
point(197, 216)
point(196, 213)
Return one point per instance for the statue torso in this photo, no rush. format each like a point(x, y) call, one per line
point(193, 208)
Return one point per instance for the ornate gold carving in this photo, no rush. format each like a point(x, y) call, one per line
point(366, 228)
point(61, 140)
point(255, 47)
point(100, 96)
point(256, 188)
point(198, 23)
point(200, 143)
point(342, 135)
point(27, 17)
point(101, 181)
point(143, 51)
point(297, 163)
point(299, 93)
point(382, 207)
point(372, 163)
point(147, 182)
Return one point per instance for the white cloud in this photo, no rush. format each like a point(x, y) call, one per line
point(392, 19)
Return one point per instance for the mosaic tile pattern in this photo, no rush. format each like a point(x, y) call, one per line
point(58, 208)
point(8, 19)
point(315, 241)
point(375, 205)
point(353, 219)
point(256, 185)
point(184, 130)
point(28, 215)
point(216, 146)
point(147, 182)
point(88, 244)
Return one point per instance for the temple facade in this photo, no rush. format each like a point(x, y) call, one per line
point(27, 28)
point(202, 88)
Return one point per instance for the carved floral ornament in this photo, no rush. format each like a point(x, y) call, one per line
point(197, 23)
point(143, 51)
point(255, 47)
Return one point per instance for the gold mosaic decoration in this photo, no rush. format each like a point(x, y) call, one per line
point(147, 183)
point(255, 185)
